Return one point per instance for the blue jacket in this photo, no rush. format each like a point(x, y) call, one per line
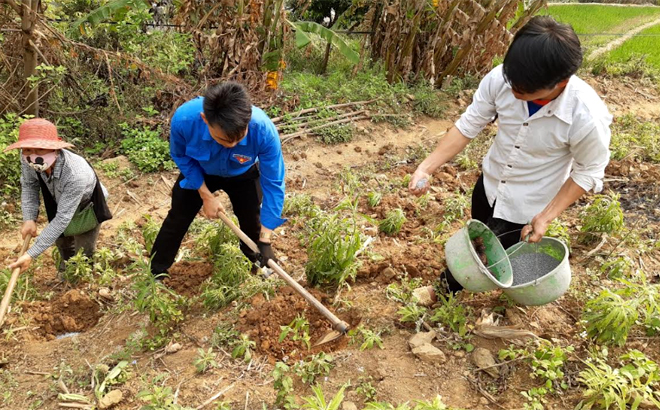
point(197, 154)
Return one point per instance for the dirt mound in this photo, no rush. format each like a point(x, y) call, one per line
point(186, 278)
point(73, 311)
point(262, 323)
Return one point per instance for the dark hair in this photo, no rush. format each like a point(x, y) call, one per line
point(543, 53)
point(228, 106)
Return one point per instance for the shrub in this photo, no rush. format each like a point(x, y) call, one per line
point(146, 149)
point(603, 215)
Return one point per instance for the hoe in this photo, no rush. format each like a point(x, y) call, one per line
point(340, 327)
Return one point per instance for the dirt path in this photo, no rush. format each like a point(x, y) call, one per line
point(616, 43)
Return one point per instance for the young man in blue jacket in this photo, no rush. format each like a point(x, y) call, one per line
point(222, 142)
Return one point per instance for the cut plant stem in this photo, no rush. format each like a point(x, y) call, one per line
point(306, 124)
point(289, 137)
point(328, 107)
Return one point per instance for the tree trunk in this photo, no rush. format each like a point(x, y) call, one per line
point(30, 9)
point(326, 58)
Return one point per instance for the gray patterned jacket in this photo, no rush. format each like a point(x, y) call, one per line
point(71, 183)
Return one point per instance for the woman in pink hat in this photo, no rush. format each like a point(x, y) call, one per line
point(74, 198)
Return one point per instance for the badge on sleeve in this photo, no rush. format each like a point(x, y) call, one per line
point(242, 158)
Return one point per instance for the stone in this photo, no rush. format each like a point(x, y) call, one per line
point(484, 401)
point(348, 405)
point(112, 398)
point(429, 353)
point(105, 294)
point(421, 338)
point(425, 296)
point(483, 359)
point(388, 274)
point(173, 348)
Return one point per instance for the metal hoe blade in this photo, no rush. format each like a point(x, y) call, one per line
point(329, 337)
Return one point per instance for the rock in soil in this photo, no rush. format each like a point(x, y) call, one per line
point(348, 405)
point(483, 359)
point(429, 353)
point(112, 398)
point(425, 296)
point(388, 274)
point(421, 339)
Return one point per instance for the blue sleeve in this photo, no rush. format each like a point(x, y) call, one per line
point(189, 167)
point(271, 167)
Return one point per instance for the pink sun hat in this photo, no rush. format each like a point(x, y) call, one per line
point(40, 134)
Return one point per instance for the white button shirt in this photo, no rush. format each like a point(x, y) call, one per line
point(532, 157)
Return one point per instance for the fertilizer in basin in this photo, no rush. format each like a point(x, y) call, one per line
point(530, 266)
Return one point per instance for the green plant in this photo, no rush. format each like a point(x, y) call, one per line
point(298, 330)
point(332, 249)
point(243, 349)
point(150, 229)
point(158, 398)
point(212, 235)
point(23, 290)
point(366, 389)
point(205, 360)
point(632, 137)
point(161, 304)
point(315, 366)
point(299, 204)
point(318, 402)
point(11, 164)
point(335, 134)
point(403, 292)
point(617, 268)
point(435, 404)
point(103, 377)
point(77, 268)
point(455, 207)
point(609, 317)
point(393, 222)
point(231, 269)
point(603, 215)
point(224, 335)
point(559, 231)
point(411, 313)
point(370, 339)
point(146, 149)
point(451, 313)
point(548, 365)
point(374, 198)
point(636, 381)
point(283, 384)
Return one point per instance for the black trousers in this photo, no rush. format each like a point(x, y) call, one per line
point(483, 212)
point(244, 192)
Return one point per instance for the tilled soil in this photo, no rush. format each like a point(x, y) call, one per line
point(263, 320)
point(73, 311)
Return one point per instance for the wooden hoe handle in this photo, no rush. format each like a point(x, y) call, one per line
point(4, 306)
point(337, 323)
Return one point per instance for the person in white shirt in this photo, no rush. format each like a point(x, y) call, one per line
point(552, 143)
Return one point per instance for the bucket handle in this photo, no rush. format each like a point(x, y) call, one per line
point(507, 256)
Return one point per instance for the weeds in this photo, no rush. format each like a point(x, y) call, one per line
point(435, 404)
point(559, 231)
point(103, 377)
point(548, 365)
point(455, 207)
point(411, 313)
point(636, 381)
point(150, 230)
point(331, 249)
point(146, 149)
point(374, 198)
point(161, 304)
point(243, 349)
point(604, 215)
point(23, 289)
point(636, 138)
point(610, 317)
point(318, 402)
point(283, 384)
point(298, 330)
point(315, 366)
point(370, 339)
point(212, 236)
point(299, 205)
point(393, 222)
point(452, 313)
point(224, 335)
point(366, 389)
point(618, 268)
point(403, 292)
point(205, 360)
point(231, 269)
point(77, 268)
